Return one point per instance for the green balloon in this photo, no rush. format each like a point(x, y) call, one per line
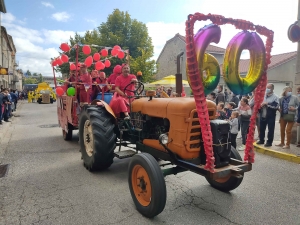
point(71, 91)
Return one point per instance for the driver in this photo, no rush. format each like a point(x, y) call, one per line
point(119, 102)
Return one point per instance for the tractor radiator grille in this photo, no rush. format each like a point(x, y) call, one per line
point(194, 128)
point(194, 134)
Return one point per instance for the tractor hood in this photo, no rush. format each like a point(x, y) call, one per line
point(162, 107)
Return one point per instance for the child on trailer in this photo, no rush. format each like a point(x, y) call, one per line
point(84, 88)
point(220, 111)
point(234, 123)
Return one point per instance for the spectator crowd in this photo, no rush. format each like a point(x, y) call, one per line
point(8, 103)
point(237, 109)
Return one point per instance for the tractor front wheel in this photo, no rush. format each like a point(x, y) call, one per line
point(228, 183)
point(147, 185)
point(96, 137)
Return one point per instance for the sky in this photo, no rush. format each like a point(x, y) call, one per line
point(39, 27)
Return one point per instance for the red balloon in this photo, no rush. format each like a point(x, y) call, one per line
point(64, 58)
point(114, 52)
point(86, 49)
point(59, 91)
point(96, 56)
point(53, 63)
point(72, 66)
point(117, 47)
point(59, 61)
point(88, 61)
point(99, 65)
point(107, 63)
point(104, 52)
point(121, 55)
point(65, 47)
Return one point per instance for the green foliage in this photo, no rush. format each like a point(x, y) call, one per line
point(40, 78)
point(119, 29)
point(143, 64)
point(30, 80)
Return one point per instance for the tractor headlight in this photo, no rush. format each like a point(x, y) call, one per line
point(163, 139)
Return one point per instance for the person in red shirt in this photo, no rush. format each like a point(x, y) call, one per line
point(95, 88)
point(84, 88)
point(112, 78)
point(119, 102)
point(104, 81)
point(70, 80)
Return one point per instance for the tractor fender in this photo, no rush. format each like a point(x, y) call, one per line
point(103, 103)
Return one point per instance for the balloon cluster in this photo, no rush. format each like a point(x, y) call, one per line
point(116, 51)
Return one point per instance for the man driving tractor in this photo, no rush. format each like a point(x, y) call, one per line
point(119, 103)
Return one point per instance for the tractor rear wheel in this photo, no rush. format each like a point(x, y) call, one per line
point(147, 185)
point(96, 137)
point(228, 183)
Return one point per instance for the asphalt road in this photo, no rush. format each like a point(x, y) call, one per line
point(47, 184)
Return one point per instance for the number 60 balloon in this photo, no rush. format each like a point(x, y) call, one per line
point(230, 69)
point(199, 61)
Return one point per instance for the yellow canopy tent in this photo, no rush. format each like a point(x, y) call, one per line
point(169, 81)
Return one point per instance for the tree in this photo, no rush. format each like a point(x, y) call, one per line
point(128, 33)
point(143, 64)
point(28, 73)
point(40, 78)
point(30, 81)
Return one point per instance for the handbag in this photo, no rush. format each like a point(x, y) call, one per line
point(289, 117)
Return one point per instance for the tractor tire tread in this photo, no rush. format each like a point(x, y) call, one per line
point(104, 138)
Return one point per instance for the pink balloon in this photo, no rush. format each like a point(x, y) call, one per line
point(65, 47)
point(99, 65)
point(72, 66)
point(53, 63)
point(64, 58)
point(104, 52)
point(59, 61)
point(88, 61)
point(114, 52)
point(86, 49)
point(117, 47)
point(121, 55)
point(59, 91)
point(107, 63)
point(96, 56)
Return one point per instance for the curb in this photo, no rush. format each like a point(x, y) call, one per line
point(276, 154)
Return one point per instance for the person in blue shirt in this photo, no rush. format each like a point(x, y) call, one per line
point(14, 99)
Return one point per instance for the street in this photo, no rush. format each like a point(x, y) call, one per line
point(48, 184)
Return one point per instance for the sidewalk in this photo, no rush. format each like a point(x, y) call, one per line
point(292, 154)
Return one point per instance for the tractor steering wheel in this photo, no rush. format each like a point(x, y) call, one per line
point(135, 91)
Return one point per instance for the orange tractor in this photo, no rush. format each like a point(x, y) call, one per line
point(182, 132)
